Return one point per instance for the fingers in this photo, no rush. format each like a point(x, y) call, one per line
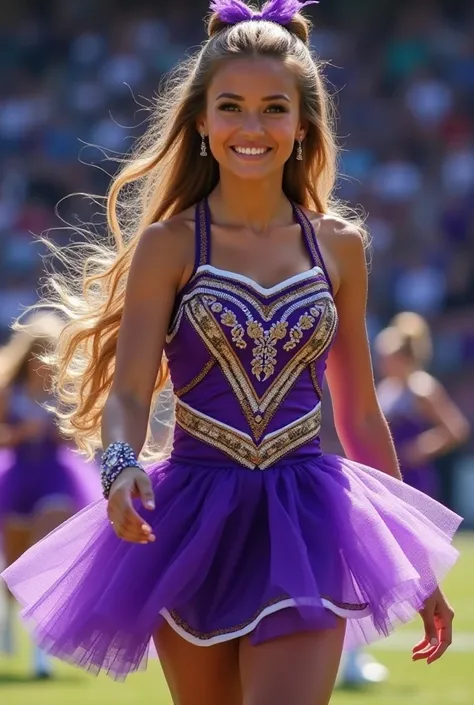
point(445, 636)
point(438, 636)
point(131, 531)
point(126, 522)
point(425, 649)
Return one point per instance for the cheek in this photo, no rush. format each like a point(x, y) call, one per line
point(283, 130)
point(220, 126)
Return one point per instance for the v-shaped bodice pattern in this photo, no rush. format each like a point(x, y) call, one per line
point(247, 362)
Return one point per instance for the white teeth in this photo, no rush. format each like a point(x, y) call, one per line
point(251, 151)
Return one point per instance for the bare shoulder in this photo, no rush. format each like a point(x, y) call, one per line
point(167, 247)
point(423, 385)
point(339, 235)
point(175, 235)
point(341, 244)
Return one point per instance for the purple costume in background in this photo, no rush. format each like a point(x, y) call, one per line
point(257, 530)
point(42, 473)
point(406, 424)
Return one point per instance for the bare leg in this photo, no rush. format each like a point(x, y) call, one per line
point(199, 675)
point(45, 520)
point(299, 669)
point(16, 540)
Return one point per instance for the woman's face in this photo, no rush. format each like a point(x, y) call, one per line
point(253, 117)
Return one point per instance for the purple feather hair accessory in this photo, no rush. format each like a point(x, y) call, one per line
point(279, 11)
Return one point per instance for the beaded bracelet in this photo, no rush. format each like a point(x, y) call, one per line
point(115, 459)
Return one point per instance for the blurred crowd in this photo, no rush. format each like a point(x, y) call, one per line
point(79, 73)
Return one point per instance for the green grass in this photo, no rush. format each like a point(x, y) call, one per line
point(449, 682)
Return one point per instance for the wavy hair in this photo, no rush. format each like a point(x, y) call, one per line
point(158, 180)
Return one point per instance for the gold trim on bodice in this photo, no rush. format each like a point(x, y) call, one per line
point(259, 410)
point(239, 446)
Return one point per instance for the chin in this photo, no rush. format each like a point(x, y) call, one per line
point(253, 172)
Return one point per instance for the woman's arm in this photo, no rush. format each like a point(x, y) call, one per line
point(450, 426)
point(360, 424)
point(157, 269)
point(161, 264)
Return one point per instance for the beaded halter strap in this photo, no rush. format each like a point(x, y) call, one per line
point(203, 237)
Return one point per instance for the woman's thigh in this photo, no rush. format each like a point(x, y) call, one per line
point(299, 669)
point(199, 675)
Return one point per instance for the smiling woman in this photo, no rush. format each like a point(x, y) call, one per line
point(235, 274)
point(246, 121)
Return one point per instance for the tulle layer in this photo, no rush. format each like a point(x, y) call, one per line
point(238, 551)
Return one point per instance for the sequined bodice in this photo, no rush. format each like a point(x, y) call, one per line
point(247, 362)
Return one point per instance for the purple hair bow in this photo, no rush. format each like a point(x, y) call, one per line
point(279, 11)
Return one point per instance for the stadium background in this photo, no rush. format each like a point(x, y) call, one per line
point(75, 73)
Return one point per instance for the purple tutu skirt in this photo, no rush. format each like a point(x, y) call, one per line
point(237, 552)
point(60, 478)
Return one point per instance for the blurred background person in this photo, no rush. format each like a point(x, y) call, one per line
point(42, 481)
point(425, 424)
point(424, 420)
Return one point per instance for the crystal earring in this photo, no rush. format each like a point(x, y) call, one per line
point(299, 151)
point(203, 145)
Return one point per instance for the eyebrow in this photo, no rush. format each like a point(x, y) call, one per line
point(234, 96)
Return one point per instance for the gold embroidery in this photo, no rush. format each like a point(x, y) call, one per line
point(239, 446)
point(314, 379)
point(213, 285)
point(196, 380)
point(226, 287)
point(305, 322)
point(251, 403)
point(265, 352)
point(229, 319)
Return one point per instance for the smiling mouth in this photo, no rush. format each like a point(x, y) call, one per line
point(251, 151)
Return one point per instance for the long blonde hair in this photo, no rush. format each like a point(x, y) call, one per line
point(158, 180)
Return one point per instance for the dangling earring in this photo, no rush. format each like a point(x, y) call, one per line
point(299, 150)
point(203, 145)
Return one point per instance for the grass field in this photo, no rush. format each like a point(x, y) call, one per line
point(449, 682)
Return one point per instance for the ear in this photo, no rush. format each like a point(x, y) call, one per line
point(201, 126)
point(302, 130)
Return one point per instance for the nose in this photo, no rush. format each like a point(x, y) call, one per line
point(252, 125)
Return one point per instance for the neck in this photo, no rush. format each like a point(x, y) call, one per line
point(255, 205)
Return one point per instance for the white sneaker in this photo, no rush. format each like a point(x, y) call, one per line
point(359, 669)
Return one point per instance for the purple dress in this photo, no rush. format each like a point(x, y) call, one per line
point(42, 473)
point(406, 424)
point(257, 530)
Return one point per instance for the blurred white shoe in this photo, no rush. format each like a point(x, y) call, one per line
point(359, 669)
point(372, 670)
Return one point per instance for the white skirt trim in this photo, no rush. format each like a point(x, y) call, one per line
point(271, 609)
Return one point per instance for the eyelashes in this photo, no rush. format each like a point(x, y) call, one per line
point(234, 108)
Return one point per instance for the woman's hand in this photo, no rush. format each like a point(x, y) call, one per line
point(132, 483)
point(437, 618)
